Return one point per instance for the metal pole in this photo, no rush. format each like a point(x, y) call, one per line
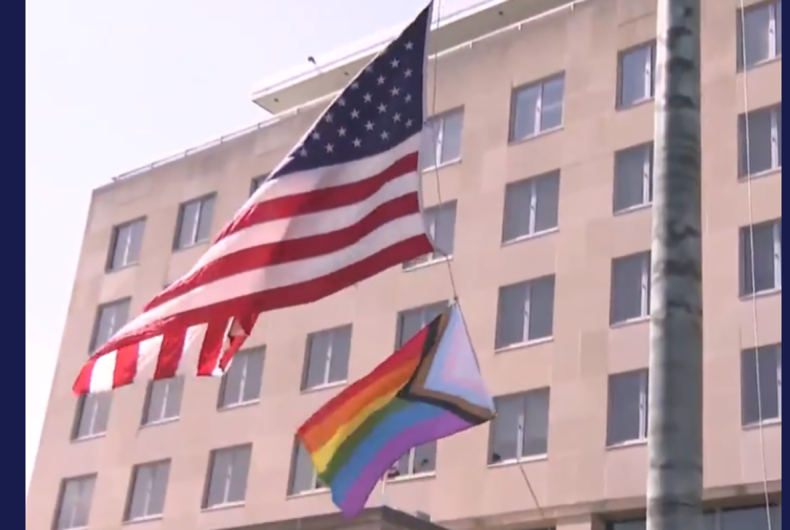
point(674, 485)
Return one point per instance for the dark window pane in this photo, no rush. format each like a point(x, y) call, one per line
point(517, 213)
point(187, 229)
point(551, 103)
point(511, 315)
point(547, 189)
point(341, 349)
point(303, 473)
point(425, 458)
point(315, 374)
point(628, 288)
point(253, 376)
point(525, 102)
point(505, 429)
point(205, 218)
point(625, 407)
point(452, 125)
point(536, 423)
point(541, 308)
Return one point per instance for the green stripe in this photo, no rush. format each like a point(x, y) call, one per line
point(347, 447)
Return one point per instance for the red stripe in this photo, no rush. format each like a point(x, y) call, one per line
point(82, 385)
point(318, 200)
point(280, 297)
point(170, 355)
point(212, 347)
point(289, 250)
point(126, 365)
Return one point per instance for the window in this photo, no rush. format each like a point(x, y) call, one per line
point(412, 321)
point(74, 506)
point(761, 25)
point(256, 183)
point(163, 401)
point(304, 476)
point(194, 222)
point(531, 206)
point(761, 384)
point(440, 223)
point(442, 144)
point(630, 289)
point(525, 312)
point(242, 382)
point(627, 408)
point(147, 490)
point(521, 426)
point(110, 318)
point(537, 108)
point(762, 270)
point(93, 413)
point(636, 79)
point(227, 478)
point(633, 177)
point(420, 460)
point(125, 244)
point(760, 141)
point(327, 357)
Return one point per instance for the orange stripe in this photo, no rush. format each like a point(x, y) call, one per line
point(408, 355)
point(319, 434)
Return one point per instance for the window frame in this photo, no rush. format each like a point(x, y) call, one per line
point(234, 450)
point(438, 138)
point(528, 285)
point(81, 479)
point(760, 352)
point(145, 420)
point(80, 410)
point(314, 479)
point(255, 350)
point(114, 240)
point(201, 201)
point(745, 158)
point(436, 256)
point(648, 169)
point(531, 183)
point(93, 344)
point(741, 51)
point(329, 357)
point(522, 397)
point(156, 465)
point(644, 390)
point(649, 74)
point(745, 252)
point(646, 286)
point(538, 110)
point(423, 309)
point(411, 473)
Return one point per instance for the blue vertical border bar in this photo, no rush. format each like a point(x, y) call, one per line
point(12, 215)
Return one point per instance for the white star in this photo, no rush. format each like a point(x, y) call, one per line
point(409, 123)
point(367, 98)
point(357, 142)
point(395, 91)
point(330, 148)
point(328, 117)
point(407, 72)
point(394, 63)
point(354, 85)
point(396, 117)
point(380, 80)
point(341, 132)
point(385, 135)
point(341, 102)
point(369, 125)
point(382, 108)
point(409, 45)
point(355, 114)
point(407, 98)
point(316, 136)
point(303, 152)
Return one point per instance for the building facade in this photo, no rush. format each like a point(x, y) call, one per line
point(539, 187)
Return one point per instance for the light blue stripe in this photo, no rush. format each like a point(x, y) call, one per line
point(369, 448)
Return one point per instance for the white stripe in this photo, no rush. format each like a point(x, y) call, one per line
point(332, 176)
point(309, 225)
point(102, 373)
point(284, 274)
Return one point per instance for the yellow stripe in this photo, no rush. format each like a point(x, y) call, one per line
point(323, 456)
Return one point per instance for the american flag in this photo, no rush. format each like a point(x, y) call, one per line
point(343, 206)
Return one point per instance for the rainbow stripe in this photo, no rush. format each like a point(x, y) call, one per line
point(358, 435)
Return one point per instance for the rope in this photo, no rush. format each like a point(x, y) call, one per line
point(446, 257)
point(755, 325)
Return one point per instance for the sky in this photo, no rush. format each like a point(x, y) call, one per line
point(112, 86)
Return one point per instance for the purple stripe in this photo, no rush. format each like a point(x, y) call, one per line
point(421, 433)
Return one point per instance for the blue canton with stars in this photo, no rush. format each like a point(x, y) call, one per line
point(381, 108)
